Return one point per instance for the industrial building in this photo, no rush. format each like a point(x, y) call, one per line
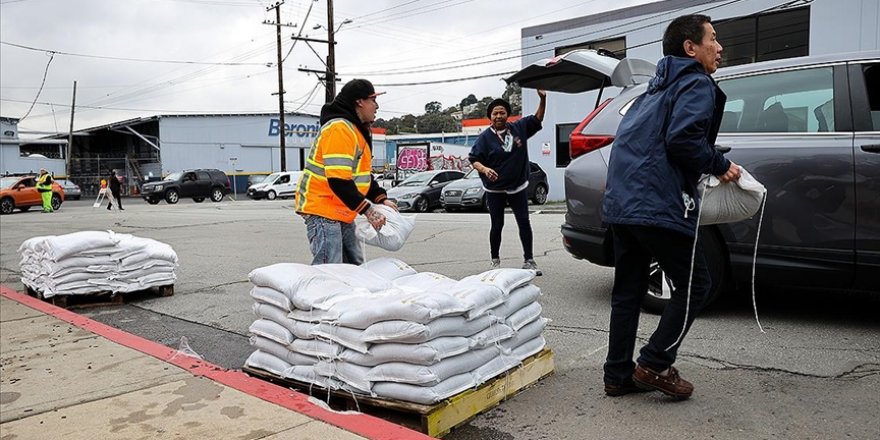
point(749, 30)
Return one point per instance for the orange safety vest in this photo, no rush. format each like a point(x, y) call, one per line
point(340, 151)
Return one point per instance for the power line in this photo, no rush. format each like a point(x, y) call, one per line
point(45, 73)
point(141, 60)
point(441, 81)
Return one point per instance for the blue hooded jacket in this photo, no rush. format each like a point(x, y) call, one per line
point(663, 144)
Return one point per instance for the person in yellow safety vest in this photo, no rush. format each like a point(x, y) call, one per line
point(44, 187)
point(337, 183)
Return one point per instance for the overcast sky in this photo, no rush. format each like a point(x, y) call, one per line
point(224, 57)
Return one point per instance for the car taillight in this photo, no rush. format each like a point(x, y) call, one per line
point(580, 143)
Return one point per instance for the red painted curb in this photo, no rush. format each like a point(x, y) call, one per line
point(361, 424)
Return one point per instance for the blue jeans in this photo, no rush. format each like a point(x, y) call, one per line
point(332, 241)
point(633, 248)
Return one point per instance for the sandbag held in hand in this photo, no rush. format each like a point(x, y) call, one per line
point(393, 235)
point(729, 202)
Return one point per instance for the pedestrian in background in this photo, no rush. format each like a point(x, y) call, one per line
point(44, 187)
point(664, 143)
point(115, 190)
point(501, 156)
point(337, 183)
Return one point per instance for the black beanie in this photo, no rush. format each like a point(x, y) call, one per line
point(356, 89)
point(495, 103)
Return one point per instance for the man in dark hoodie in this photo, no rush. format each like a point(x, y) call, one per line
point(115, 190)
point(337, 182)
point(664, 143)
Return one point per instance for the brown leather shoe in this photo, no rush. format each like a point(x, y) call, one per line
point(614, 390)
point(671, 384)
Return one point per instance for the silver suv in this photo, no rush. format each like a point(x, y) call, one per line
point(807, 128)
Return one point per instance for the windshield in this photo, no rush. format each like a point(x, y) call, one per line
point(7, 182)
point(472, 174)
point(420, 179)
point(173, 176)
point(270, 178)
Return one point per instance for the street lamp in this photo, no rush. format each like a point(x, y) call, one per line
point(321, 26)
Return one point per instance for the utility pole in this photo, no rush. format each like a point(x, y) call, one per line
point(331, 55)
point(69, 148)
point(282, 132)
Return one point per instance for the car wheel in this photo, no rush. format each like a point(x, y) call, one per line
point(216, 194)
point(56, 201)
point(198, 199)
point(660, 287)
point(172, 196)
point(540, 196)
point(421, 204)
point(25, 208)
point(153, 201)
point(271, 195)
point(7, 205)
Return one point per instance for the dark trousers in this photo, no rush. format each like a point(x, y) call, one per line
point(116, 196)
point(634, 246)
point(519, 203)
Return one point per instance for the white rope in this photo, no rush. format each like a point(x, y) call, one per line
point(701, 189)
point(754, 262)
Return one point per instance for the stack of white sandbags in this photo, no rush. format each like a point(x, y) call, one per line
point(385, 330)
point(95, 261)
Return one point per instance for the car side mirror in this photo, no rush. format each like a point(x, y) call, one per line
point(18, 187)
point(723, 149)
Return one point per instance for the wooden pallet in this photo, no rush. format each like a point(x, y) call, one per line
point(438, 419)
point(100, 298)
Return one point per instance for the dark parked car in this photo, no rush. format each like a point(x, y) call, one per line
point(807, 128)
point(196, 184)
point(468, 192)
point(421, 191)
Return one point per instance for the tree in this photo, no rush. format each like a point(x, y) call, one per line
point(471, 99)
point(513, 95)
point(433, 107)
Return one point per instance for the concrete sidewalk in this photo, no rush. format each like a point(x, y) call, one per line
point(64, 376)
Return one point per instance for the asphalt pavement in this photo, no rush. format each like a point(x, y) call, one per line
point(814, 374)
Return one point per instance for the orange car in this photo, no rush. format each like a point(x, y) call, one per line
point(20, 192)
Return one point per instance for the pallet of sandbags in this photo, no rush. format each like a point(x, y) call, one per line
point(435, 420)
point(101, 298)
point(96, 268)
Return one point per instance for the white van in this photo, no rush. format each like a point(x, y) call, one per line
point(281, 184)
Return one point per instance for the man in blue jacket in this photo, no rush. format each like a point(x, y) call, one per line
point(664, 143)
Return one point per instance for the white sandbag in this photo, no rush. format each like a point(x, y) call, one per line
point(729, 202)
point(62, 246)
point(530, 348)
point(504, 279)
point(492, 335)
point(272, 330)
point(282, 352)
point(299, 329)
point(389, 268)
point(307, 374)
point(425, 353)
point(316, 348)
point(497, 366)
point(518, 299)
point(524, 316)
point(425, 395)
point(432, 374)
point(32, 244)
point(312, 316)
point(267, 362)
point(530, 331)
point(133, 250)
point(347, 337)
point(419, 307)
point(413, 332)
point(426, 282)
point(393, 234)
point(306, 286)
point(478, 298)
point(356, 276)
point(271, 296)
point(351, 374)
